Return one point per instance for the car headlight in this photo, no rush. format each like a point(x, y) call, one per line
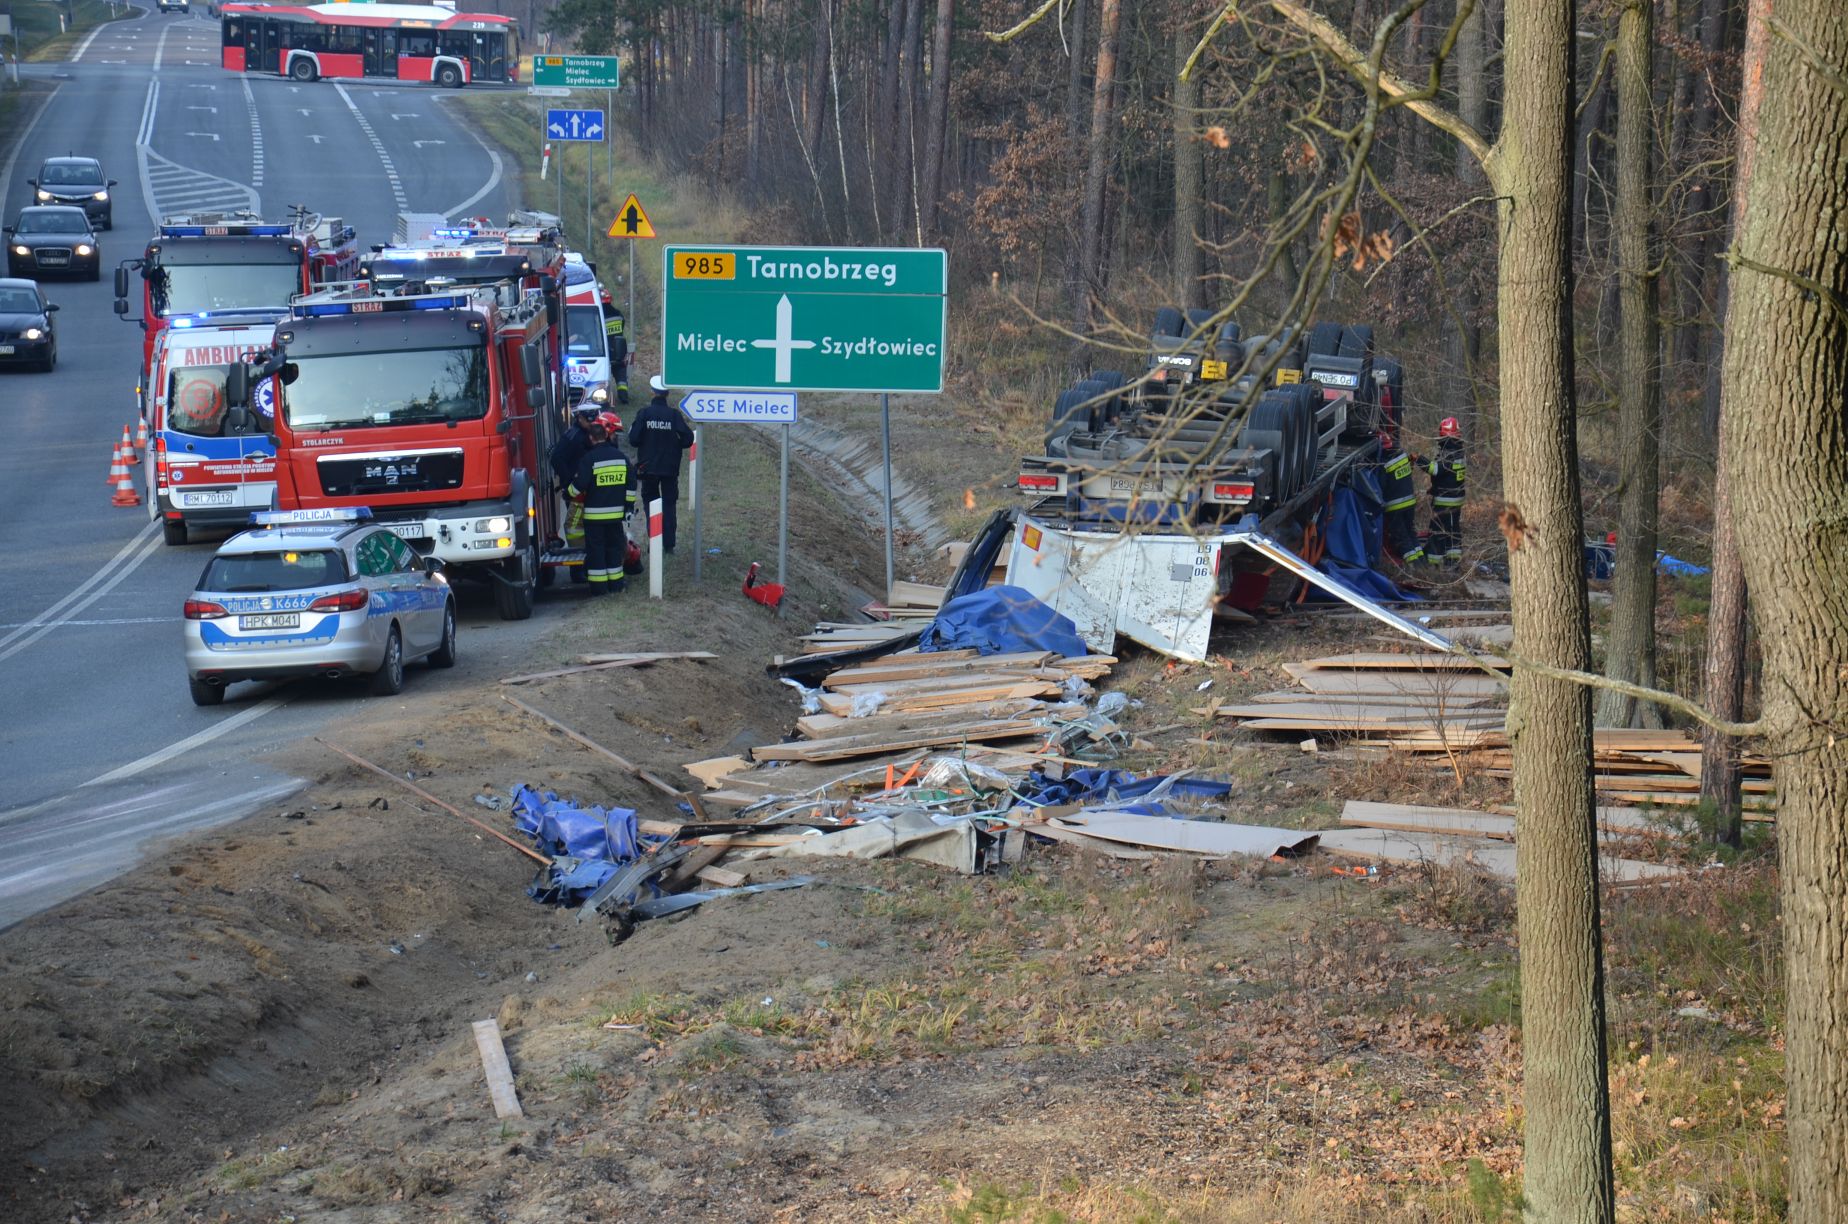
point(600, 393)
point(43, 194)
point(101, 195)
point(84, 248)
point(494, 526)
point(33, 333)
point(21, 250)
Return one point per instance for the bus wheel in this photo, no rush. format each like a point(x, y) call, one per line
point(449, 77)
point(302, 69)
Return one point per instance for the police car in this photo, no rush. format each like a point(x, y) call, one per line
point(316, 593)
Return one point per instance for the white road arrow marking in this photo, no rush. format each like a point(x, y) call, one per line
point(207, 135)
point(405, 115)
point(196, 85)
point(302, 110)
point(213, 109)
point(785, 343)
point(421, 143)
point(317, 139)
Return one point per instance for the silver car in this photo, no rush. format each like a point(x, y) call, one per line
point(316, 593)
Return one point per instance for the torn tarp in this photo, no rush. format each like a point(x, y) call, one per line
point(1118, 789)
point(587, 844)
point(1002, 620)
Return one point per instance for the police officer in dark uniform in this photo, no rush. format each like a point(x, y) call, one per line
point(660, 434)
point(1448, 473)
point(1399, 497)
point(616, 341)
point(603, 480)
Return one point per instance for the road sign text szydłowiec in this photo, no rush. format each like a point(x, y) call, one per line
point(804, 318)
point(576, 71)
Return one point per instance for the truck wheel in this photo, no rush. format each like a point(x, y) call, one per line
point(388, 680)
point(204, 694)
point(513, 598)
point(173, 531)
point(1110, 380)
point(1065, 416)
point(1197, 318)
point(1325, 339)
point(1169, 321)
point(1357, 341)
point(448, 77)
point(302, 69)
point(445, 654)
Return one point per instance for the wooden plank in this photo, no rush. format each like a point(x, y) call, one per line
point(494, 1065)
point(844, 747)
point(1395, 700)
point(1495, 858)
point(708, 853)
point(590, 663)
point(673, 792)
point(1388, 716)
point(841, 704)
point(1098, 845)
point(914, 595)
point(722, 877)
point(1188, 836)
point(1464, 822)
point(1388, 683)
point(895, 668)
point(826, 726)
point(1454, 732)
point(646, 656)
point(1386, 661)
point(710, 772)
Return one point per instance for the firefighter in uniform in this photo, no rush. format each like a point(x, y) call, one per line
point(567, 453)
point(1400, 501)
point(616, 340)
point(602, 479)
point(1444, 543)
point(660, 434)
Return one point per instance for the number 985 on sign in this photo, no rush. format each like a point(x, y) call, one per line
point(705, 265)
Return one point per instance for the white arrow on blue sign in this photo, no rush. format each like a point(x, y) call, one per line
point(580, 125)
point(735, 407)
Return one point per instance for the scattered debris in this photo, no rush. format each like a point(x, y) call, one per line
point(494, 1065)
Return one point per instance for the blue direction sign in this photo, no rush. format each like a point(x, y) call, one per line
point(749, 407)
point(582, 125)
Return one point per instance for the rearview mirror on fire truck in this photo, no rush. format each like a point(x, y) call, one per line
point(121, 289)
point(532, 367)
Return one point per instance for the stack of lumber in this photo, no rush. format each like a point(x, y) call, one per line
point(909, 700)
point(1413, 836)
point(832, 636)
point(1381, 695)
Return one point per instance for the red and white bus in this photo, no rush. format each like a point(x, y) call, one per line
point(402, 42)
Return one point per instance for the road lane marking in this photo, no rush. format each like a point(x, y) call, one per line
point(6, 175)
point(494, 178)
point(179, 747)
point(256, 134)
point(77, 624)
point(127, 568)
point(378, 146)
point(63, 605)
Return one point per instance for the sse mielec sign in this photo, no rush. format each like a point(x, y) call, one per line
point(740, 318)
point(576, 71)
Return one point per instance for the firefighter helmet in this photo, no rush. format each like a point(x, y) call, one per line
point(610, 421)
point(1448, 428)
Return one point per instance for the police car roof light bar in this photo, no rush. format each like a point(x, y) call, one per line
point(325, 514)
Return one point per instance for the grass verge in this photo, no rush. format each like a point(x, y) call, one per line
point(40, 40)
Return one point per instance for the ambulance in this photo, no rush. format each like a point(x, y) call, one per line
point(587, 359)
point(211, 463)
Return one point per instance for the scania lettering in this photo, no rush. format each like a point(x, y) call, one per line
point(215, 265)
point(436, 410)
point(211, 463)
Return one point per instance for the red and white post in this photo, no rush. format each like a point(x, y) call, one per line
point(655, 554)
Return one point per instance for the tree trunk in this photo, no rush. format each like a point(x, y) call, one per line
point(1566, 1102)
point(1785, 413)
point(1097, 168)
point(931, 195)
point(1077, 80)
point(1631, 647)
point(1189, 289)
point(1725, 668)
point(1465, 342)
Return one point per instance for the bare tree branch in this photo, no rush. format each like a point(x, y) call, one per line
point(1757, 726)
point(1357, 63)
point(1024, 25)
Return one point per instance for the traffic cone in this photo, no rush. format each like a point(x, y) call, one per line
point(141, 434)
point(125, 494)
point(128, 447)
point(116, 459)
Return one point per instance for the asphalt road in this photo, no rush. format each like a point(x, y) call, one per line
point(100, 747)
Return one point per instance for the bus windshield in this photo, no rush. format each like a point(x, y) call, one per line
point(186, 288)
point(406, 387)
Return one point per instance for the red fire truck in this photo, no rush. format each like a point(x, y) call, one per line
point(203, 265)
point(436, 410)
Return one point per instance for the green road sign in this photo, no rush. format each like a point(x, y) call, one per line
point(740, 318)
point(576, 71)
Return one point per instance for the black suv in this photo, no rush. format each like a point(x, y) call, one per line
point(77, 181)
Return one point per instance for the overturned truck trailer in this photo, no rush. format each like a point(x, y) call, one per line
point(1185, 494)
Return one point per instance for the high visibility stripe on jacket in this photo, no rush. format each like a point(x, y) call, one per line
point(603, 480)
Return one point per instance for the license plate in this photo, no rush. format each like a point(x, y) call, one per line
point(51, 261)
point(1119, 485)
point(271, 620)
point(6, 350)
point(214, 497)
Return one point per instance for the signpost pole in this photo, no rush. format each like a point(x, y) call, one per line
point(885, 447)
point(590, 181)
point(609, 116)
point(699, 504)
point(629, 319)
point(782, 517)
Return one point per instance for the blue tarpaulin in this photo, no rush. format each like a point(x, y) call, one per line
point(1002, 620)
point(589, 843)
point(1112, 786)
point(1352, 522)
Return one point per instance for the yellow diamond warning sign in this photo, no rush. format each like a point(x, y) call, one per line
point(631, 221)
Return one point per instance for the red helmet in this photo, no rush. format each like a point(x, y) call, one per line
point(609, 421)
point(1448, 428)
